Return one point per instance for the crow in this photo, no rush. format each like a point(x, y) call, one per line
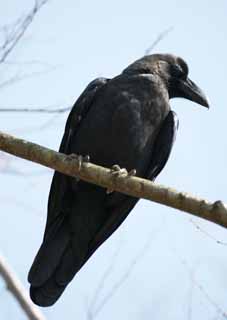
point(123, 122)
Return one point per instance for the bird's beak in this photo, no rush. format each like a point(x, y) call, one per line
point(191, 91)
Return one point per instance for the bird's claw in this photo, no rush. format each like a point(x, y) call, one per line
point(132, 173)
point(108, 191)
point(80, 159)
point(86, 158)
point(117, 171)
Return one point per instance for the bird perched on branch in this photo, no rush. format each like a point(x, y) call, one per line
point(126, 122)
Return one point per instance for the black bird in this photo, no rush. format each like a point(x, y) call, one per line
point(126, 121)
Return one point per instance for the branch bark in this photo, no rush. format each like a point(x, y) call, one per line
point(16, 288)
point(133, 186)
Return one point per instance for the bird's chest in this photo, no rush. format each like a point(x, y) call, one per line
point(121, 127)
point(136, 122)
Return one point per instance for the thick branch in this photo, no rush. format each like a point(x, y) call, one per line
point(133, 186)
point(16, 288)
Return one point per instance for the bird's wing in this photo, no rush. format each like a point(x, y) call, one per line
point(76, 116)
point(163, 145)
point(124, 204)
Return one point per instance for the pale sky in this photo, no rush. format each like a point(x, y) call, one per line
point(170, 268)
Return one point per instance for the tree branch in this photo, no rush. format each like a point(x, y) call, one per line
point(133, 186)
point(16, 288)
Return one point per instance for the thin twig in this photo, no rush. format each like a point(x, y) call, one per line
point(207, 233)
point(91, 314)
point(198, 285)
point(15, 39)
point(13, 34)
point(127, 273)
point(36, 110)
point(16, 288)
point(159, 38)
point(18, 78)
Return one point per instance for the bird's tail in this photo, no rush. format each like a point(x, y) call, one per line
point(54, 266)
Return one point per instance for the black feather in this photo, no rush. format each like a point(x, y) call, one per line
point(126, 121)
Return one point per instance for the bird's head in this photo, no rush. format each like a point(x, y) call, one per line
point(173, 71)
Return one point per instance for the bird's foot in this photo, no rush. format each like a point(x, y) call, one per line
point(117, 171)
point(132, 173)
point(80, 159)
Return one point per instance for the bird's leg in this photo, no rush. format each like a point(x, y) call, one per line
point(117, 171)
point(80, 160)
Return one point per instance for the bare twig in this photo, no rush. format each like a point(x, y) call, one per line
point(90, 308)
point(159, 38)
point(29, 19)
point(198, 285)
point(36, 110)
point(126, 274)
point(133, 186)
point(16, 288)
point(21, 77)
point(15, 32)
point(207, 233)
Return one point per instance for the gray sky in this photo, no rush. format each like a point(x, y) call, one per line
point(170, 269)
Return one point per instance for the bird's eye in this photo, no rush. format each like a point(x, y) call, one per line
point(178, 72)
